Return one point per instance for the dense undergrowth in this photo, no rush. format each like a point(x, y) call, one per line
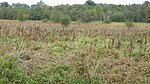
point(44, 53)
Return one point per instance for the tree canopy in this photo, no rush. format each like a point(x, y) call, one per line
point(90, 11)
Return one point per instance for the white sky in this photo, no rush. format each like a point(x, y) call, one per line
point(59, 2)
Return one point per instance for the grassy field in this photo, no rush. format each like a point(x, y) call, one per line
point(90, 53)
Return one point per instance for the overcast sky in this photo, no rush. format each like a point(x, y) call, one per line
point(59, 2)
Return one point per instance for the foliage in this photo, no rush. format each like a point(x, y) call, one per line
point(106, 15)
point(65, 21)
point(118, 17)
point(90, 2)
point(36, 13)
point(89, 53)
point(45, 20)
point(129, 24)
point(56, 16)
point(87, 16)
point(76, 12)
point(4, 4)
point(10, 71)
point(106, 19)
point(99, 12)
point(22, 15)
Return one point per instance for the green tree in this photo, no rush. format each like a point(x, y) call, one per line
point(19, 11)
point(99, 12)
point(56, 16)
point(118, 17)
point(90, 2)
point(19, 5)
point(146, 6)
point(65, 21)
point(106, 16)
point(36, 13)
point(85, 13)
point(37, 10)
point(4, 4)
point(46, 13)
point(74, 15)
point(87, 16)
point(22, 15)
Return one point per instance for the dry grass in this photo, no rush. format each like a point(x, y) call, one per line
point(94, 52)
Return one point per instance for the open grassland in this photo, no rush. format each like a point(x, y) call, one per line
point(94, 53)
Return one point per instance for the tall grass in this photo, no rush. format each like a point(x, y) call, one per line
point(82, 53)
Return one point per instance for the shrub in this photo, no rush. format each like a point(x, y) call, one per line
point(65, 21)
point(106, 19)
point(129, 24)
point(45, 20)
point(10, 72)
point(87, 19)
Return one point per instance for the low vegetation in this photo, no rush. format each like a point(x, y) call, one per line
point(89, 53)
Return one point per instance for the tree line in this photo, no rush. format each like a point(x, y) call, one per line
point(88, 12)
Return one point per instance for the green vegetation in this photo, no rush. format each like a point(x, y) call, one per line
point(65, 21)
point(22, 15)
point(58, 49)
point(129, 24)
point(45, 20)
point(88, 12)
point(10, 71)
point(89, 53)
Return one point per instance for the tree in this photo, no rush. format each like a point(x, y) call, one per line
point(74, 15)
point(56, 16)
point(46, 13)
point(99, 12)
point(146, 5)
point(87, 12)
point(19, 5)
point(36, 13)
point(146, 9)
point(65, 21)
point(41, 4)
point(118, 17)
point(106, 16)
point(4, 4)
point(90, 2)
point(87, 16)
point(22, 15)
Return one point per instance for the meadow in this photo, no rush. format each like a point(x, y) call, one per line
point(82, 53)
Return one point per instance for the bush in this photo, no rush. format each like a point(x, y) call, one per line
point(45, 20)
point(129, 24)
point(106, 19)
point(65, 21)
point(87, 19)
point(10, 72)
